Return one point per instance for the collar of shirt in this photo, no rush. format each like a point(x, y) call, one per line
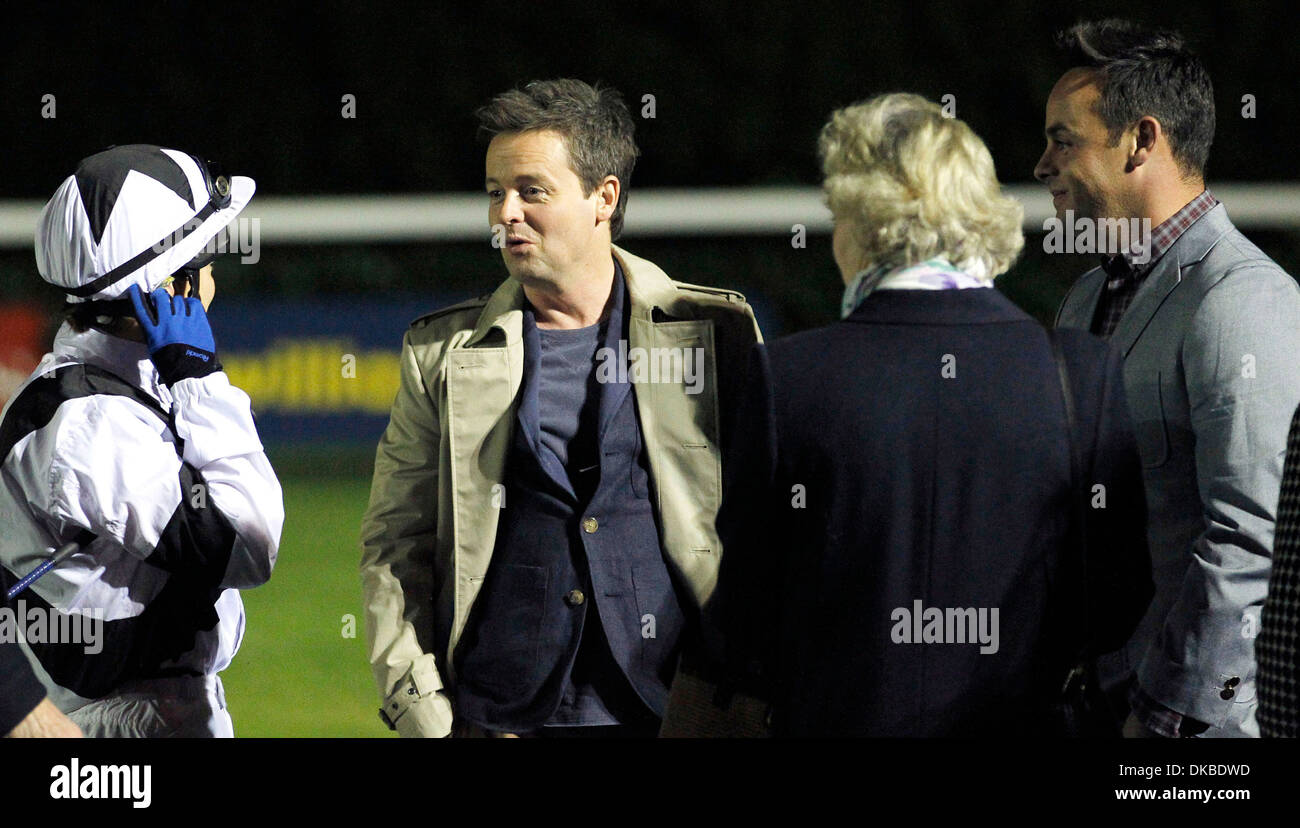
point(123, 357)
point(1162, 238)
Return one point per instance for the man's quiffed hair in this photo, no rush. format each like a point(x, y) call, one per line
point(1148, 72)
point(594, 121)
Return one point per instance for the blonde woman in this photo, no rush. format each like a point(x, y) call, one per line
point(901, 553)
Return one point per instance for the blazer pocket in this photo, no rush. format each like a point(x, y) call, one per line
point(502, 654)
point(1146, 402)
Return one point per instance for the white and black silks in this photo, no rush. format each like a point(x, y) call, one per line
point(170, 495)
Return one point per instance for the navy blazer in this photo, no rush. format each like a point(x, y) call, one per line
point(917, 452)
point(523, 636)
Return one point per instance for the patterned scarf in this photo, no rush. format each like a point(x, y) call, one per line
point(932, 274)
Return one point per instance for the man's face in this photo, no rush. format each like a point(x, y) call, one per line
point(551, 226)
point(1082, 172)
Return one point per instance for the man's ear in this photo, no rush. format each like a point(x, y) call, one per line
point(1145, 137)
point(607, 193)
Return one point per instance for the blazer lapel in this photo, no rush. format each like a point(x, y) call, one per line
point(529, 412)
point(1155, 288)
point(1080, 305)
point(1190, 248)
point(613, 389)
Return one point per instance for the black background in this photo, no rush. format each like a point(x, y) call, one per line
point(741, 90)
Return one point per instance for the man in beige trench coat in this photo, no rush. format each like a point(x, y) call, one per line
point(540, 535)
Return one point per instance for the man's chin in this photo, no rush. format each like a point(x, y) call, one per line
point(520, 271)
point(527, 275)
point(1086, 210)
point(1061, 204)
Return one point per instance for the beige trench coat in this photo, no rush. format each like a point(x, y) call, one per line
point(428, 534)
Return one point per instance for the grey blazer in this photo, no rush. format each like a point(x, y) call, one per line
point(1211, 348)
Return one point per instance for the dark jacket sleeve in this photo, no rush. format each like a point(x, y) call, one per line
point(20, 690)
point(743, 614)
point(1119, 563)
point(1279, 627)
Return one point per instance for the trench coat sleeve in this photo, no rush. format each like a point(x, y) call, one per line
point(397, 563)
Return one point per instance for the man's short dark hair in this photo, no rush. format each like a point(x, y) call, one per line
point(594, 121)
point(1148, 72)
point(79, 316)
point(83, 316)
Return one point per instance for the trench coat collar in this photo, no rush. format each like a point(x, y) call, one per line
point(504, 312)
point(650, 289)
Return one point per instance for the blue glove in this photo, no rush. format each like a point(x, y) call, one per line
point(178, 335)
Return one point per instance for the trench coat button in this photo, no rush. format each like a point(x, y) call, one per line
point(589, 525)
point(1232, 682)
point(1227, 694)
point(574, 597)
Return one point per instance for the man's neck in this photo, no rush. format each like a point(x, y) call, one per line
point(122, 328)
point(1160, 205)
point(581, 304)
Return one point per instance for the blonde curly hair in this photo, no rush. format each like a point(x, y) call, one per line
point(913, 184)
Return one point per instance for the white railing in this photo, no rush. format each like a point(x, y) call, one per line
point(651, 212)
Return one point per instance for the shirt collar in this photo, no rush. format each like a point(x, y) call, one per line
point(1168, 232)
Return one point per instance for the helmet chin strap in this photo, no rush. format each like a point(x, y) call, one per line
point(186, 282)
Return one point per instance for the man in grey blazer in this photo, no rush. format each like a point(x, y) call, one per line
point(1210, 331)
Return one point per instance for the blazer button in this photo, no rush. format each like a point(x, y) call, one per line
point(1227, 694)
point(574, 597)
point(589, 525)
point(1232, 682)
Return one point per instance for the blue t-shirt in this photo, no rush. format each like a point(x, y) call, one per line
point(566, 393)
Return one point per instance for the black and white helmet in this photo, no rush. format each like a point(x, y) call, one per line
point(133, 214)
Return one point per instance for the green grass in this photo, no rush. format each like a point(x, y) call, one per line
point(296, 674)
